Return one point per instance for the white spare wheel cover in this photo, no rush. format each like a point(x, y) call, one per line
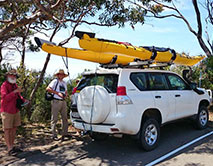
point(100, 103)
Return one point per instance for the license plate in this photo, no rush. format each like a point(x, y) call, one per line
point(75, 115)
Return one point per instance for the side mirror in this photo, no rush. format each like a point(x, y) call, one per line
point(193, 85)
point(185, 75)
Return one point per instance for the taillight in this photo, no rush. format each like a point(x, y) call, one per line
point(122, 98)
point(74, 90)
point(121, 91)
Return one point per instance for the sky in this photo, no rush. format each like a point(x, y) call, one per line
point(170, 32)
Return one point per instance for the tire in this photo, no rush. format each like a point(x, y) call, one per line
point(146, 142)
point(202, 118)
point(98, 136)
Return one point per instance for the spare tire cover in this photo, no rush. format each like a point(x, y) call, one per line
point(93, 104)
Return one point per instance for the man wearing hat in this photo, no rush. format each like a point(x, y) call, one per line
point(10, 114)
point(59, 90)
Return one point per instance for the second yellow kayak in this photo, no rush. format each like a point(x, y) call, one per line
point(88, 42)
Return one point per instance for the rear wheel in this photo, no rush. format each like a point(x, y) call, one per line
point(150, 134)
point(98, 136)
point(202, 118)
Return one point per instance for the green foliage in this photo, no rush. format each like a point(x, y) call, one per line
point(205, 69)
point(3, 70)
point(32, 47)
point(41, 109)
point(108, 12)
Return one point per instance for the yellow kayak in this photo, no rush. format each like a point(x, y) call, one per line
point(89, 42)
point(103, 58)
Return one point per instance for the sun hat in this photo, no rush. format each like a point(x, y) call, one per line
point(61, 71)
point(12, 72)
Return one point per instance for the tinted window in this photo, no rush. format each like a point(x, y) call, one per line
point(177, 83)
point(139, 80)
point(108, 81)
point(157, 81)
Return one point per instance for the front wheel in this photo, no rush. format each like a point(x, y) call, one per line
point(202, 118)
point(150, 134)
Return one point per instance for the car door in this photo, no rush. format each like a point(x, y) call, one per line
point(159, 88)
point(183, 95)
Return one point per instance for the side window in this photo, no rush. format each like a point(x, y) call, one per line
point(157, 81)
point(177, 83)
point(139, 80)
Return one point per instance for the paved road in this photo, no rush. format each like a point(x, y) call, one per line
point(199, 154)
point(116, 151)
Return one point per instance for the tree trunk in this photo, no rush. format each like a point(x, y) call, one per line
point(41, 76)
point(23, 52)
point(204, 47)
point(32, 95)
point(1, 56)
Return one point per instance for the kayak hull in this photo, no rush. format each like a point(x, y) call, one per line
point(104, 46)
point(103, 58)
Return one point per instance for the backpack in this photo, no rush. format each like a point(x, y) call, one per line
point(50, 96)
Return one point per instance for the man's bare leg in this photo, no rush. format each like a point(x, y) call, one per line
point(7, 135)
point(13, 135)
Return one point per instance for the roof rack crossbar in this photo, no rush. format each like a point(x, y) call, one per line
point(138, 64)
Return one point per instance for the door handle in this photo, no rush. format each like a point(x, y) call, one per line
point(177, 95)
point(157, 97)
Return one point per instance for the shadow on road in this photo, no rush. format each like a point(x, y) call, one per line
point(115, 151)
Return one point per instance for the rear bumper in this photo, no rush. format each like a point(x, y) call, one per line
point(123, 122)
point(101, 128)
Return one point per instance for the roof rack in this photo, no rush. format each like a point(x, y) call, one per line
point(138, 64)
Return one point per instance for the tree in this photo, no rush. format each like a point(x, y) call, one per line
point(205, 43)
point(19, 17)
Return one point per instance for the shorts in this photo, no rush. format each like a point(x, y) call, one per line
point(10, 121)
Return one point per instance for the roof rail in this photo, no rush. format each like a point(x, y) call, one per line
point(138, 64)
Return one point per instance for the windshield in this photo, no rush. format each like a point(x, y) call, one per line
point(108, 81)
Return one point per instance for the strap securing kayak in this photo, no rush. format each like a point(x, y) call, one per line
point(174, 55)
point(66, 64)
point(113, 60)
point(154, 54)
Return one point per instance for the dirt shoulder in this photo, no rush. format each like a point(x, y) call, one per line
point(211, 118)
point(33, 138)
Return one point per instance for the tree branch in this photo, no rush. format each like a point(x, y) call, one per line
point(56, 4)
point(3, 2)
point(46, 11)
point(27, 20)
point(199, 24)
point(78, 21)
point(152, 12)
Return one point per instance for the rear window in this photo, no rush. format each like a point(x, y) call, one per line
point(108, 81)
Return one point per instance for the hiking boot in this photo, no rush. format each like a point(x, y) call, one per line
point(55, 138)
point(11, 152)
point(65, 136)
point(16, 149)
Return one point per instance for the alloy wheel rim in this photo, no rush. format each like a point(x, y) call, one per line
point(151, 134)
point(203, 117)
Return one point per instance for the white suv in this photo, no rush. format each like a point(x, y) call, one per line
point(135, 102)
